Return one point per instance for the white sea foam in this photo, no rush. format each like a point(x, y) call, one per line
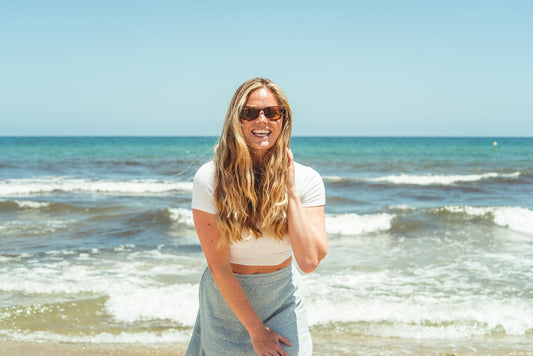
point(35, 227)
point(181, 216)
point(335, 179)
point(515, 218)
point(177, 302)
point(402, 207)
point(43, 185)
point(5, 259)
point(382, 304)
point(28, 204)
point(139, 285)
point(426, 179)
point(170, 336)
point(354, 224)
point(440, 179)
point(424, 317)
point(150, 286)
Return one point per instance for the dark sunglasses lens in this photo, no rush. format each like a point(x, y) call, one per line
point(250, 113)
point(272, 113)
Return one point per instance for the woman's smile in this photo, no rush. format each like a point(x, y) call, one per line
point(261, 133)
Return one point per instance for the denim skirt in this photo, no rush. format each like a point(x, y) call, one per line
point(276, 297)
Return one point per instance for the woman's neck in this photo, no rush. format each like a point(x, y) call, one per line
point(258, 158)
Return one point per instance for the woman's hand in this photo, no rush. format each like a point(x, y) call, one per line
point(291, 183)
point(268, 342)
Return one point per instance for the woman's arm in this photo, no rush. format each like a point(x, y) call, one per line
point(307, 226)
point(263, 339)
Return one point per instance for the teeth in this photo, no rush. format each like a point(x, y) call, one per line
point(261, 133)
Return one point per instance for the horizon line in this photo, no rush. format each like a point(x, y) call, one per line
point(293, 136)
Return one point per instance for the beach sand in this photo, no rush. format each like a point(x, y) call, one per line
point(335, 347)
point(15, 348)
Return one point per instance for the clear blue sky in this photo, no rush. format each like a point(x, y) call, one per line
point(381, 68)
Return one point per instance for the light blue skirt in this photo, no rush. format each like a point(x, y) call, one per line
point(276, 297)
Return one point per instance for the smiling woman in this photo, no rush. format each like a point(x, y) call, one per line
point(253, 209)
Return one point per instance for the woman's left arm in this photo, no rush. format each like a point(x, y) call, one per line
point(307, 226)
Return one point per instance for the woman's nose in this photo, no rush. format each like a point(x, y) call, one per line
point(262, 117)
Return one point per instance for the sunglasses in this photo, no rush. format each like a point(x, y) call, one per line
point(273, 113)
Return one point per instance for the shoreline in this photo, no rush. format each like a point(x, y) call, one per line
point(25, 348)
point(335, 346)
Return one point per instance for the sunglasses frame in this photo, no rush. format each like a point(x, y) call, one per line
point(245, 108)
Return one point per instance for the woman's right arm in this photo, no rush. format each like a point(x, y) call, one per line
point(263, 339)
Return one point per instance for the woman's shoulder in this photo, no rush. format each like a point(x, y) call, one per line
point(207, 167)
point(304, 171)
point(202, 188)
point(205, 173)
point(310, 185)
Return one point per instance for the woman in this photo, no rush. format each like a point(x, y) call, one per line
point(253, 208)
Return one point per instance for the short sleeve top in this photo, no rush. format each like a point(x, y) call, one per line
point(264, 251)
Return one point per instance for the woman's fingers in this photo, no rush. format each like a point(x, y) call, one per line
point(284, 340)
point(290, 171)
point(270, 343)
point(290, 155)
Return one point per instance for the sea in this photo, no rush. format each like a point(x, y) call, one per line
point(430, 242)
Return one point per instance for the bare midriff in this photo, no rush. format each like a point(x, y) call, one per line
point(244, 269)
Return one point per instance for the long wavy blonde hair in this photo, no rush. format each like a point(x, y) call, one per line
point(251, 199)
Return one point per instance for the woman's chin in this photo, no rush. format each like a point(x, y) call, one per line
point(262, 145)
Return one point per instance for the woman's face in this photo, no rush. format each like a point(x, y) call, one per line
point(261, 134)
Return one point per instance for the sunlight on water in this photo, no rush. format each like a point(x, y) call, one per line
point(430, 240)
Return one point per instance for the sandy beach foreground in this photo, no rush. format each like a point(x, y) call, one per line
point(13, 348)
point(323, 346)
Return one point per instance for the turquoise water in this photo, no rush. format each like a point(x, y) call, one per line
point(430, 238)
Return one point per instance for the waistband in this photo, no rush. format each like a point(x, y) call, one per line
point(271, 277)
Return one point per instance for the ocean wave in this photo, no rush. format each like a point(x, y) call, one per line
point(181, 216)
point(68, 271)
point(132, 303)
point(402, 207)
point(383, 304)
point(338, 224)
point(403, 179)
point(441, 179)
point(177, 220)
point(45, 185)
point(354, 224)
point(424, 317)
point(36, 228)
point(128, 300)
point(515, 218)
point(6, 205)
point(29, 204)
point(126, 285)
point(52, 207)
point(146, 337)
point(343, 224)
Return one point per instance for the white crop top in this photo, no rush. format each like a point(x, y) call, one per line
point(265, 251)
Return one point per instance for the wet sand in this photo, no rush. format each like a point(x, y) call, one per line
point(16, 348)
point(323, 346)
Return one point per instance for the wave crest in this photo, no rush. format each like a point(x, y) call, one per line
point(515, 218)
point(427, 179)
point(44, 185)
point(354, 224)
